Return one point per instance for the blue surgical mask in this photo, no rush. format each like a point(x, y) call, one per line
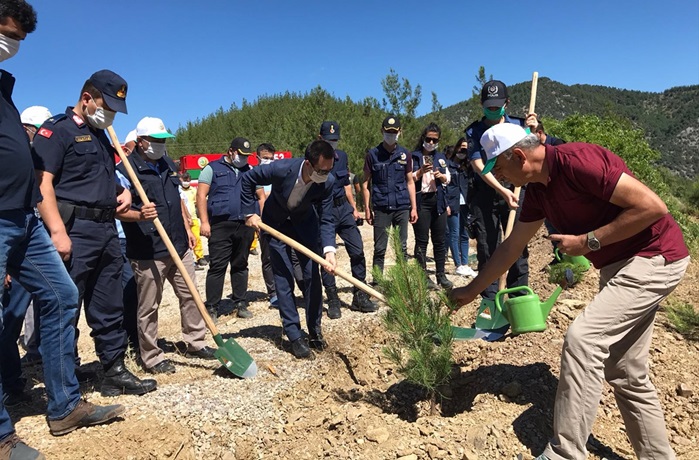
point(494, 114)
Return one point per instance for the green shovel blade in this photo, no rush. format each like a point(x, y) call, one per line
point(235, 358)
point(489, 317)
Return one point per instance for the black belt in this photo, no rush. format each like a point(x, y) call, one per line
point(340, 201)
point(86, 213)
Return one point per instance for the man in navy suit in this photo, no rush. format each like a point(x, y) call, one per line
point(301, 207)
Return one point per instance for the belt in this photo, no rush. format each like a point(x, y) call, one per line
point(340, 201)
point(86, 213)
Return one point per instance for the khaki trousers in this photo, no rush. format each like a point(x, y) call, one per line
point(610, 341)
point(150, 279)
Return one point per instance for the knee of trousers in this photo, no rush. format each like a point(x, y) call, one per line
point(583, 342)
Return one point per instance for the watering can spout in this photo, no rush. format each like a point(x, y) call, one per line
point(548, 305)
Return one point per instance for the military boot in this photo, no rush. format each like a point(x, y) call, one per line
point(334, 304)
point(119, 381)
point(362, 303)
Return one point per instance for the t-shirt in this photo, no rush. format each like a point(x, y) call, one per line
point(582, 179)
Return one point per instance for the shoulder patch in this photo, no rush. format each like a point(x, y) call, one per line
point(43, 132)
point(77, 120)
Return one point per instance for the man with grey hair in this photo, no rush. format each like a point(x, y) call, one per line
point(595, 202)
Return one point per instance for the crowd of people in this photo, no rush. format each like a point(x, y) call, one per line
point(75, 232)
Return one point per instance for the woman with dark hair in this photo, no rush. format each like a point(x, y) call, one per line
point(431, 174)
point(457, 220)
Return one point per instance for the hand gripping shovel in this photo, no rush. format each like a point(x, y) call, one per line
point(317, 258)
point(231, 355)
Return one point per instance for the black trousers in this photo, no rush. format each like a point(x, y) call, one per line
point(490, 213)
point(382, 220)
point(346, 227)
point(430, 221)
point(229, 244)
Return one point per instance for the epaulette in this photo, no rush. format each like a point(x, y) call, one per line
point(56, 118)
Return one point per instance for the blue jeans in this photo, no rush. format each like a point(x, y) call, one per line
point(458, 239)
point(15, 301)
point(28, 255)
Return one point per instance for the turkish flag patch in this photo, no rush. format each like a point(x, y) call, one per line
point(47, 133)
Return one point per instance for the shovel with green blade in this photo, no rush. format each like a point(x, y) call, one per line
point(229, 352)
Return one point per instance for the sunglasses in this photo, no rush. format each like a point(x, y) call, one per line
point(432, 140)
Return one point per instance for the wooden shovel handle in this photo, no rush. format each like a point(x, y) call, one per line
point(513, 212)
point(163, 234)
point(308, 253)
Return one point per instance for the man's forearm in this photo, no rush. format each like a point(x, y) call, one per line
point(48, 207)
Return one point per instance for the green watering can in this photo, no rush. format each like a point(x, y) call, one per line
point(580, 261)
point(526, 313)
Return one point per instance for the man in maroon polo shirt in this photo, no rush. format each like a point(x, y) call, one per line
point(624, 228)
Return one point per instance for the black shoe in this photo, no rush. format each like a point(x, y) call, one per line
point(163, 367)
point(213, 313)
point(242, 308)
point(30, 359)
point(15, 398)
point(444, 281)
point(431, 284)
point(334, 304)
point(202, 262)
point(299, 348)
point(85, 414)
point(204, 353)
point(84, 375)
point(362, 303)
point(119, 381)
point(317, 342)
point(14, 448)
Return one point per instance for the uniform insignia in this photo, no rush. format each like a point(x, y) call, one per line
point(47, 133)
point(402, 156)
point(162, 127)
point(493, 90)
point(122, 94)
point(332, 129)
point(78, 121)
point(202, 162)
point(86, 138)
point(246, 144)
point(442, 163)
point(391, 121)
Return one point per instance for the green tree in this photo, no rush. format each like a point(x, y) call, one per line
point(400, 96)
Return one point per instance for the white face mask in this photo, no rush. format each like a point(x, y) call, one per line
point(390, 138)
point(240, 161)
point(185, 184)
point(155, 151)
point(429, 146)
point(101, 119)
point(460, 156)
point(8, 47)
point(265, 161)
point(319, 178)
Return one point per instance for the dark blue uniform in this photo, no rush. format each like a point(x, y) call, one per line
point(82, 162)
point(230, 239)
point(490, 212)
point(390, 198)
point(345, 225)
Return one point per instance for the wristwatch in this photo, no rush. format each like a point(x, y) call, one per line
point(592, 242)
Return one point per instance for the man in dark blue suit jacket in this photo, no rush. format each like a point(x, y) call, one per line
point(300, 206)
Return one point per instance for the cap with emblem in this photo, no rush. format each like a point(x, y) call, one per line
point(330, 131)
point(497, 140)
point(391, 123)
point(113, 89)
point(152, 127)
point(494, 94)
point(35, 115)
point(241, 145)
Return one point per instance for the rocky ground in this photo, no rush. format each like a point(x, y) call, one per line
point(349, 402)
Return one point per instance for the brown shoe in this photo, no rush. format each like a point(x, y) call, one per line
point(85, 414)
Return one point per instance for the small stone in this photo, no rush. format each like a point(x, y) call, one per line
point(408, 457)
point(470, 455)
point(377, 435)
point(512, 389)
point(684, 390)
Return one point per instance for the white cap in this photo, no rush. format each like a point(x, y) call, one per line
point(131, 137)
point(498, 139)
point(152, 127)
point(35, 115)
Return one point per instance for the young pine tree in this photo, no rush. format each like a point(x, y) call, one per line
point(419, 325)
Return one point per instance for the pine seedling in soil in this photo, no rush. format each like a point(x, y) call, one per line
point(420, 342)
point(557, 273)
point(683, 318)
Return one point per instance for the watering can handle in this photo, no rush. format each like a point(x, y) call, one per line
point(557, 254)
point(508, 290)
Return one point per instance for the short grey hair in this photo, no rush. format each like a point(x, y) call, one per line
point(529, 142)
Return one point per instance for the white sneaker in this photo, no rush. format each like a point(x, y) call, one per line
point(467, 271)
point(461, 270)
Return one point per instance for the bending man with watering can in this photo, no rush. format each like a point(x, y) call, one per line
point(603, 212)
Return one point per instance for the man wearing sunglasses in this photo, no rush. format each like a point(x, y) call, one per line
point(300, 206)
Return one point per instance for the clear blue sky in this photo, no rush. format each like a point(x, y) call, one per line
point(183, 59)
